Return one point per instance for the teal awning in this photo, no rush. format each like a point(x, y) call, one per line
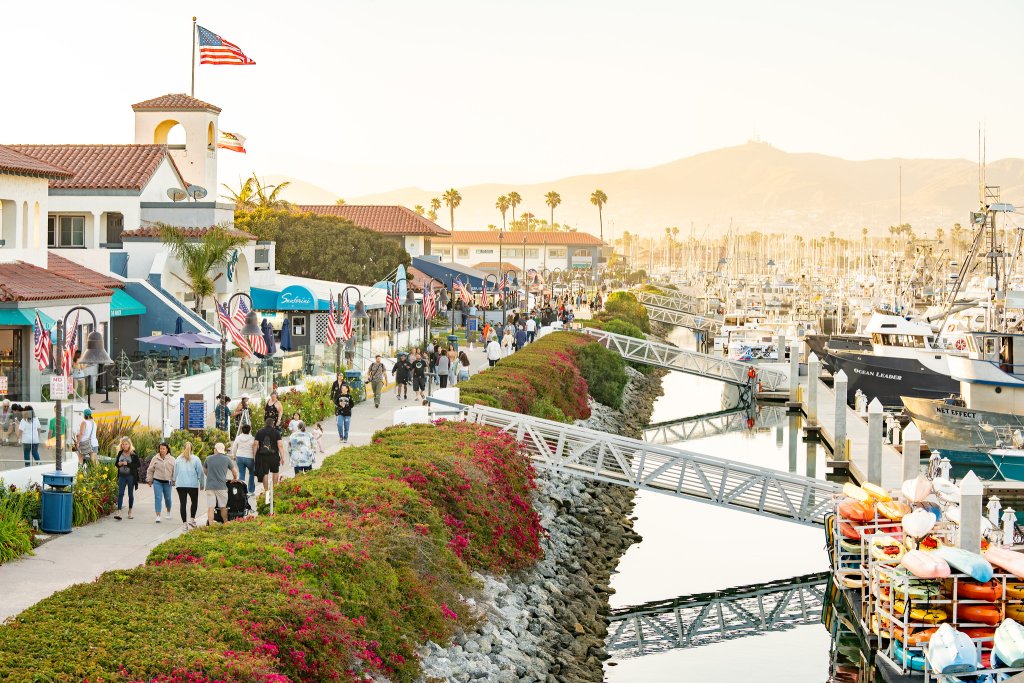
point(24, 316)
point(122, 304)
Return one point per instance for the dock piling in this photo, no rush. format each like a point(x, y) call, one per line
point(813, 371)
point(794, 371)
point(1009, 525)
point(970, 512)
point(875, 417)
point(911, 452)
point(780, 347)
point(840, 383)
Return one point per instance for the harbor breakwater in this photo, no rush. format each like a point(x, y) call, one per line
point(547, 623)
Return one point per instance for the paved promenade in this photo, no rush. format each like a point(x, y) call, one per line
point(108, 544)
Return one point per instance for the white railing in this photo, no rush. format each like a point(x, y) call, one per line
point(699, 323)
point(677, 301)
point(716, 424)
point(692, 362)
point(600, 456)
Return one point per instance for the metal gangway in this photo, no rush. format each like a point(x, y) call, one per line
point(686, 311)
point(714, 424)
point(762, 380)
point(600, 456)
point(676, 301)
point(696, 620)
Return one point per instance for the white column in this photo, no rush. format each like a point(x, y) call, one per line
point(97, 228)
point(813, 371)
point(911, 452)
point(1009, 522)
point(839, 447)
point(970, 512)
point(794, 371)
point(875, 415)
point(780, 347)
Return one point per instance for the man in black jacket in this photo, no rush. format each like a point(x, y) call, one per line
point(419, 375)
point(403, 373)
point(336, 387)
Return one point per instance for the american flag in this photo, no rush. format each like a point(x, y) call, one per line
point(256, 342)
point(70, 347)
point(42, 343)
point(346, 318)
point(391, 300)
point(332, 325)
point(228, 325)
point(463, 292)
point(215, 50)
point(505, 282)
point(429, 304)
point(484, 300)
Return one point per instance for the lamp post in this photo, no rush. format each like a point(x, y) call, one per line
point(546, 274)
point(556, 276)
point(409, 304)
point(249, 329)
point(504, 303)
point(526, 291)
point(359, 315)
point(454, 302)
point(95, 354)
point(428, 290)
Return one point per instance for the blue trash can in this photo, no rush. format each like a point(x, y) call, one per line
point(454, 340)
point(57, 502)
point(354, 379)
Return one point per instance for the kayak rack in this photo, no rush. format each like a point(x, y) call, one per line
point(708, 618)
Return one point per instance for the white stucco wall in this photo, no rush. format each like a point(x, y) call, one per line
point(24, 203)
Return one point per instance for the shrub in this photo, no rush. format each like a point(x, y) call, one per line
point(547, 410)
point(16, 535)
point(95, 493)
point(624, 306)
point(619, 326)
point(313, 403)
point(202, 441)
point(605, 372)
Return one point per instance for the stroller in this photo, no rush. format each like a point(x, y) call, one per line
point(238, 500)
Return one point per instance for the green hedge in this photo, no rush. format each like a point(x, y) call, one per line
point(624, 306)
point(605, 372)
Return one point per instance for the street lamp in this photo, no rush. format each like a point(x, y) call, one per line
point(95, 354)
point(409, 304)
point(251, 328)
point(359, 315)
point(428, 290)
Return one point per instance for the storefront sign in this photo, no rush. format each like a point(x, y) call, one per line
point(58, 388)
point(192, 412)
point(296, 298)
point(3, 385)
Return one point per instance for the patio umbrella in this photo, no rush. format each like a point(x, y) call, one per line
point(172, 341)
point(268, 336)
point(179, 325)
point(202, 340)
point(286, 336)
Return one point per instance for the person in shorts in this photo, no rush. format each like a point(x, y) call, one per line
point(217, 468)
point(402, 372)
point(269, 453)
point(419, 375)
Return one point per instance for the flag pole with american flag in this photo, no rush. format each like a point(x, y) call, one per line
point(214, 50)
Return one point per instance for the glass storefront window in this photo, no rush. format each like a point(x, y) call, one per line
point(10, 362)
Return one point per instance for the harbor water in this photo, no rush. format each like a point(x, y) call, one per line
point(691, 547)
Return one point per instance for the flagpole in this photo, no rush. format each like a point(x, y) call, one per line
point(193, 56)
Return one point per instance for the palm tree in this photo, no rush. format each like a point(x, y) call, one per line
point(452, 198)
point(419, 209)
point(552, 199)
point(198, 258)
point(243, 198)
point(256, 194)
point(514, 200)
point(502, 205)
point(598, 198)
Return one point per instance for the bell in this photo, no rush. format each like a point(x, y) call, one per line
point(360, 312)
point(252, 325)
point(443, 298)
point(95, 353)
point(410, 298)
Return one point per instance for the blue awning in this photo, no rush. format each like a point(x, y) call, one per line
point(448, 272)
point(291, 298)
point(122, 304)
point(24, 316)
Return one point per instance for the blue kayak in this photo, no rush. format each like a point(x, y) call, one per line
point(972, 564)
point(913, 661)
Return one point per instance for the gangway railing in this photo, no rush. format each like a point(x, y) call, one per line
point(761, 379)
point(714, 424)
point(614, 459)
point(707, 618)
point(691, 321)
point(676, 301)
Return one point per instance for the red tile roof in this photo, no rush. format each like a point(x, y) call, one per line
point(152, 231)
point(176, 102)
point(13, 161)
point(390, 220)
point(80, 274)
point(25, 282)
point(493, 265)
point(552, 239)
point(106, 167)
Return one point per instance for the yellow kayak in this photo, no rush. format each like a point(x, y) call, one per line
point(922, 615)
point(1015, 591)
point(1015, 612)
point(887, 550)
point(876, 492)
point(851, 490)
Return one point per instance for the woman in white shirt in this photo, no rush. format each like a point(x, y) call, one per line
point(87, 443)
point(28, 434)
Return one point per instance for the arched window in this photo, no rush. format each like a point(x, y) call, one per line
point(170, 133)
point(211, 139)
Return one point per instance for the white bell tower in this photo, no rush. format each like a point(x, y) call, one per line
point(197, 158)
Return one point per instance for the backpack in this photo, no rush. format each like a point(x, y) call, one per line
point(266, 448)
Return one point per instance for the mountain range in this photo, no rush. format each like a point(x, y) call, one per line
point(753, 186)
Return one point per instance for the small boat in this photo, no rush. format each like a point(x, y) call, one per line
point(951, 652)
point(925, 565)
point(921, 615)
point(856, 511)
point(1014, 590)
point(850, 546)
point(946, 490)
point(972, 564)
point(893, 510)
point(887, 549)
point(849, 531)
point(917, 637)
point(851, 490)
point(916, 490)
point(978, 614)
point(876, 492)
point(918, 523)
point(990, 591)
point(1015, 611)
point(1008, 560)
point(914, 662)
point(1009, 643)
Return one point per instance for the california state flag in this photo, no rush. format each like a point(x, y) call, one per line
point(232, 141)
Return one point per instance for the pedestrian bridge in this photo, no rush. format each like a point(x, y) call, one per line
point(708, 618)
point(600, 456)
point(761, 379)
point(714, 424)
point(681, 310)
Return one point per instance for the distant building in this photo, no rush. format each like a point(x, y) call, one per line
point(565, 250)
point(414, 232)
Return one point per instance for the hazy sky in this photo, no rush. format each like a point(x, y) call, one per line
point(368, 95)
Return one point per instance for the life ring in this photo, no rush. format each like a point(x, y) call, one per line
point(960, 344)
point(751, 373)
point(950, 327)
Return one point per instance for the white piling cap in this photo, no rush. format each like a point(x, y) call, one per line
point(840, 376)
point(875, 406)
point(970, 485)
point(812, 357)
point(911, 433)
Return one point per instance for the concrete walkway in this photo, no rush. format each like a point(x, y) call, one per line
point(108, 544)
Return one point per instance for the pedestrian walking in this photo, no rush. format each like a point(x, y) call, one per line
point(242, 413)
point(160, 474)
point(300, 449)
point(28, 434)
point(217, 469)
point(375, 376)
point(339, 382)
point(463, 366)
point(443, 366)
point(269, 454)
point(419, 375)
point(222, 413)
point(493, 351)
point(531, 329)
point(273, 410)
point(317, 432)
point(521, 337)
point(343, 411)
point(243, 450)
point(188, 479)
point(402, 372)
point(506, 343)
point(293, 424)
point(128, 464)
point(87, 443)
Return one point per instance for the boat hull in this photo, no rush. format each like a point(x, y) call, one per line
point(956, 429)
point(888, 378)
